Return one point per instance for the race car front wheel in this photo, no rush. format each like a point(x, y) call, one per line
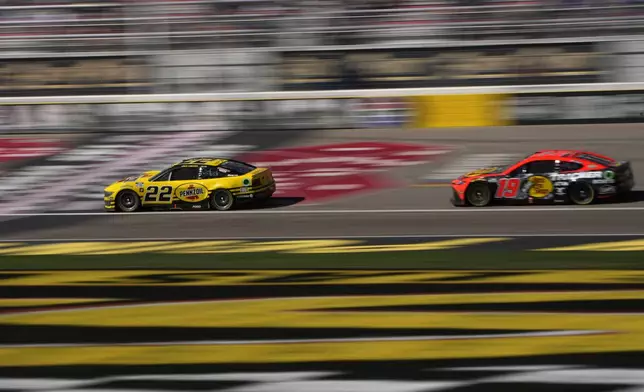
point(581, 193)
point(127, 201)
point(222, 200)
point(478, 194)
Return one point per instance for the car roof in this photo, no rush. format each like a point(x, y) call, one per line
point(571, 155)
point(555, 154)
point(201, 161)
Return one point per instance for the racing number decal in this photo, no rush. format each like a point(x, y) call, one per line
point(166, 194)
point(508, 188)
point(153, 195)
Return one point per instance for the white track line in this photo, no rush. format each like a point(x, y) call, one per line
point(464, 210)
point(338, 237)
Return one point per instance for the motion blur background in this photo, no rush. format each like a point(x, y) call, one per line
point(248, 66)
point(330, 94)
point(52, 48)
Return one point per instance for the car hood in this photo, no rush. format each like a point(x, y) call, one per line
point(137, 177)
point(483, 172)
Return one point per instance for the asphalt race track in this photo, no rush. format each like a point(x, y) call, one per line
point(413, 209)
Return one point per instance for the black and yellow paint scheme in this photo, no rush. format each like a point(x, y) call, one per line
point(195, 183)
point(233, 317)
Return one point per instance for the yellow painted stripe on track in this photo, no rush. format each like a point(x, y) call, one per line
point(84, 248)
point(275, 353)
point(171, 247)
point(289, 246)
point(8, 244)
point(56, 248)
point(132, 247)
point(631, 245)
point(303, 277)
point(269, 246)
point(19, 302)
point(331, 312)
point(319, 313)
point(433, 245)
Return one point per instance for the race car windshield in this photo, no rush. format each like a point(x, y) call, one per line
point(239, 168)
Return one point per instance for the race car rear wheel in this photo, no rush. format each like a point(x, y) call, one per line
point(581, 193)
point(478, 194)
point(128, 201)
point(222, 200)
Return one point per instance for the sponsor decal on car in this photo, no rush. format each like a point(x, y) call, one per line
point(191, 193)
point(576, 176)
point(540, 187)
point(603, 181)
point(606, 189)
point(560, 190)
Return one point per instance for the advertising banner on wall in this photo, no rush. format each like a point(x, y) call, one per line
point(441, 67)
point(271, 115)
point(576, 108)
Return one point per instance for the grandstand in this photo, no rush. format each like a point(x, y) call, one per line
point(71, 26)
point(138, 46)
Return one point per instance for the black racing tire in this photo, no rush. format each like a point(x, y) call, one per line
point(478, 194)
point(222, 200)
point(581, 193)
point(128, 201)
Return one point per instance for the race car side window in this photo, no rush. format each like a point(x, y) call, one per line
point(163, 176)
point(184, 173)
point(206, 172)
point(541, 167)
point(569, 166)
point(519, 170)
point(237, 168)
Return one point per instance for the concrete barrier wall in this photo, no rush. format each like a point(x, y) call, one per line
point(412, 108)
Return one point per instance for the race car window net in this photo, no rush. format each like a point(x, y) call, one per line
point(596, 159)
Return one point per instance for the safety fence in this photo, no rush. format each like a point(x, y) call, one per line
point(343, 109)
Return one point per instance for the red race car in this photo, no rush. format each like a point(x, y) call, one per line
point(549, 176)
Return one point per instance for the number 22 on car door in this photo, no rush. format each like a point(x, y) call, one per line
point(155, 194)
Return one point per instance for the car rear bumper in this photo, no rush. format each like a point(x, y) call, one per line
point(626, 186)
point(258, 194)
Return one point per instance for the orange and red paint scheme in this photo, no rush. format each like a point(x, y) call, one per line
point(574, 176)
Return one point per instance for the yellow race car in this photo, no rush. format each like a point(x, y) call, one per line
point(195, 183)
